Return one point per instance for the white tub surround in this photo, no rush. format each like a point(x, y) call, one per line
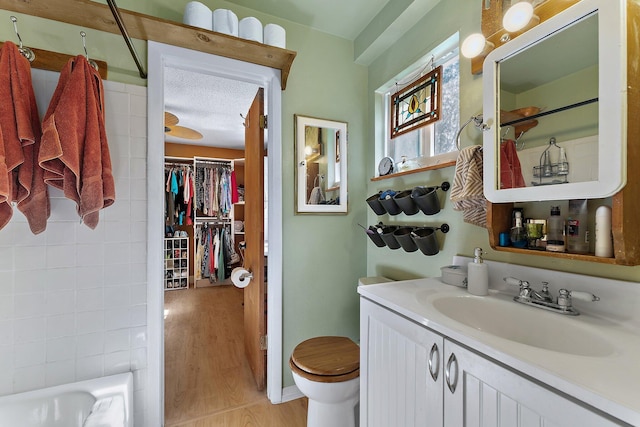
point(602, 373)
point(73, 301)
point(91, 403)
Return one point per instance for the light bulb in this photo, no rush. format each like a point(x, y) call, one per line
point(517, 16)
point(473, 45)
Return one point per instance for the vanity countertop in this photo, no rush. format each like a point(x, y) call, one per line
point(609, 381)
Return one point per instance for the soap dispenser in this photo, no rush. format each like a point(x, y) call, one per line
point(478, 274)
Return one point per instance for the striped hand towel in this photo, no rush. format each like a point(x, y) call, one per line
point(466, 192)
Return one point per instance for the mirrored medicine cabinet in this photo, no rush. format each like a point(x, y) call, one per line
point(559, 89)
point(321, 165)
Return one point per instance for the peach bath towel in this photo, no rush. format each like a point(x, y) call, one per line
point(21, 178)
point(74, 150)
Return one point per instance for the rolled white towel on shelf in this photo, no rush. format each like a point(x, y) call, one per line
point(250, 28)
point(198, 15)
point(225, 22)
point(275, 35)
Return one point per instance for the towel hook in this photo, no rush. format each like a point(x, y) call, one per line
point(25, 51)
point(86, 54)
point(520, 147)
point(246, 120)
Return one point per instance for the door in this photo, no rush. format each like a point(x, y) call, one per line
point(479, 392)
point(401, 375)
point(254, 293)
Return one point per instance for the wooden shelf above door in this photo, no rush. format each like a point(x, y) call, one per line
point(89, 14)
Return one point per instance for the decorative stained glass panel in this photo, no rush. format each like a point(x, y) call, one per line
point(417, 104)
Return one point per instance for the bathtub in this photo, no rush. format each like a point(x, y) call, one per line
point(101, 402)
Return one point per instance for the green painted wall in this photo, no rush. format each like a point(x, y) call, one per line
point(446, 18)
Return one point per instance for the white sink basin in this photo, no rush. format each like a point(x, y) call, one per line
point(525, 325)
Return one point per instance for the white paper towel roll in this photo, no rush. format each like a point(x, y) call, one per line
point(240, 277)
point(225, 21)
point(197, 14)
point(250, 28)
point(275, 35)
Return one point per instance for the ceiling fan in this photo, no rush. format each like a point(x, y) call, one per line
point(171, 128)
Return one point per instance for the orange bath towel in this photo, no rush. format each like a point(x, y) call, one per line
point(21, 178)
point(74, 150)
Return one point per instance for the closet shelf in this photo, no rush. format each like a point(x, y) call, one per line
point(89, 14)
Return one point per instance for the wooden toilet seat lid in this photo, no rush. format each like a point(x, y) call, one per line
point(327, 356)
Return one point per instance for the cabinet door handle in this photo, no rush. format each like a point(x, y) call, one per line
point(434, 367)
point(447, 373)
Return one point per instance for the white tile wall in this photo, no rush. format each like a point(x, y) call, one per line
point(72, 299)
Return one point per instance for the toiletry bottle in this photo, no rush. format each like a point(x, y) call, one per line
point(563, 164)
point(518, 233)
point(604, 239)
point(577, 232)
point(478, 275)
point(555, 231)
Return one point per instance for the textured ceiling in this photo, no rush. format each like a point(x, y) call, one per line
point(209, 104)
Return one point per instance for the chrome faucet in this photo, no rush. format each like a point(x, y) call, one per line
point(544, 300)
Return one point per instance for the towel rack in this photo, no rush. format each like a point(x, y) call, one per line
point(54, 61)
point(477, 122)
point(116, 15)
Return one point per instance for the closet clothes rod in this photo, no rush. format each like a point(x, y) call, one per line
point(206, 222)
point(213, 162)
point(125, 34)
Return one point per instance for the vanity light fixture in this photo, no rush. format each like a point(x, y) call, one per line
point(474, 45)
point(518, 16)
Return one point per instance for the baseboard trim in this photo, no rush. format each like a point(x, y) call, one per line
point(291, 393)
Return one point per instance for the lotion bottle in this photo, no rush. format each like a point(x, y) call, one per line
point(478, 275)
point(604, 239)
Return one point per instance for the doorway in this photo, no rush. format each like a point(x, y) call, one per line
point(161, 57)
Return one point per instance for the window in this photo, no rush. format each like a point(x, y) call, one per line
point(425, 144)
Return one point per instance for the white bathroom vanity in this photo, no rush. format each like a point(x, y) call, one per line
point(435, 355)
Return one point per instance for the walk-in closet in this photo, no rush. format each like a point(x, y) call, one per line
point(204, 213)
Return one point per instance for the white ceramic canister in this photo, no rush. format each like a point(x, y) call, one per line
point(198, 15)
point(225, 21)
point(250, 28)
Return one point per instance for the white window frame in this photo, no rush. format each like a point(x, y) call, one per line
point(441, 55)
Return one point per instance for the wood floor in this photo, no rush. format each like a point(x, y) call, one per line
point(208, 381)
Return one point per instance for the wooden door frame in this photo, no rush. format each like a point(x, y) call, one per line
point(159, 57)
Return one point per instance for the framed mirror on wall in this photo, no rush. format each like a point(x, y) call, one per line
point(555, 101)
point(321, 165)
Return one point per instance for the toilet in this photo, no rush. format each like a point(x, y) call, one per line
point(327, 371)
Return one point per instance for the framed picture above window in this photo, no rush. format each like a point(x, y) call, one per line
point(417, 104)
